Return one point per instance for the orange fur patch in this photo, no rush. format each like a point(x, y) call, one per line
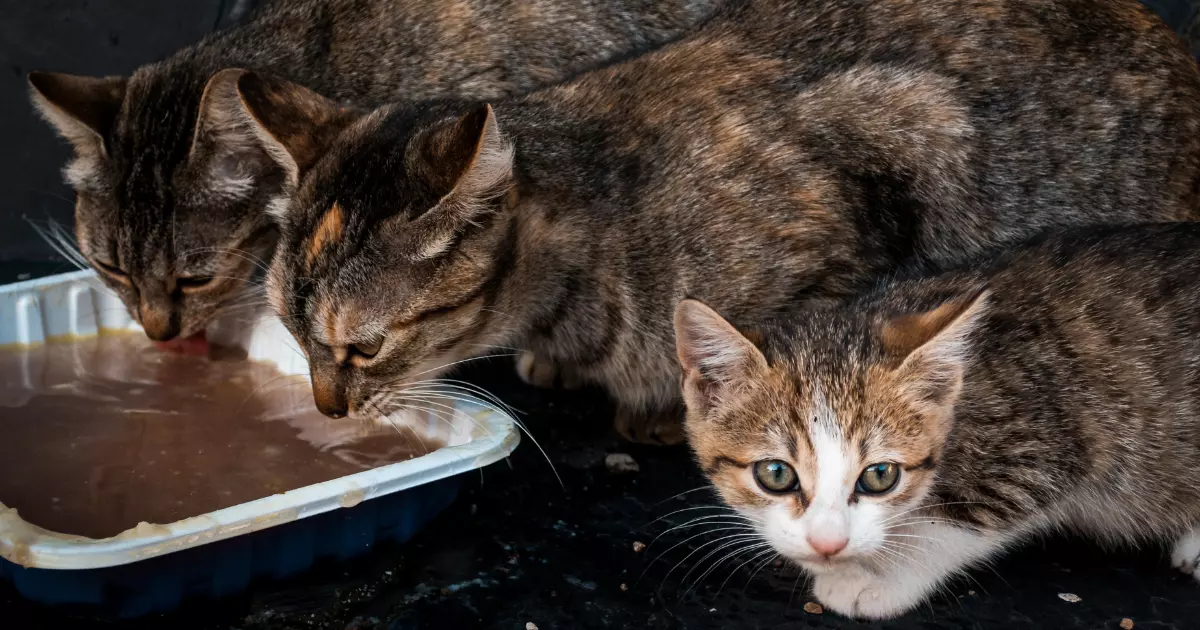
point(329, 230)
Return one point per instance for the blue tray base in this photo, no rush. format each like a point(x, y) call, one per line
point(227, 567)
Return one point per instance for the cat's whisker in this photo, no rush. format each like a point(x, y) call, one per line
point(495, 347)
point(467, 396)
point(482, 392)
point(464, 387)
point(671, 498)
point(769, 554)
point(792, 596)
point(719, 562)
point(929, 507)
point(414, 432)
point(705, 520)
point(240, 253)
point(259, 390)
point(721, 516)
point(61, 242)
point(928, 520)
point(936, 540)
point(451, 392)
point(725, 508)
point(721, 542)
point(900, 551)
point(447, 409)
point(773, 556)
point(460, 362)
point(745, 531)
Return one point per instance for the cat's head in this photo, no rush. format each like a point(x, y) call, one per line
point(393, 246)
point(826, 432)
point(170, 189)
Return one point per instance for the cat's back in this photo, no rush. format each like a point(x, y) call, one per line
point(955, 117)
point(376, 51)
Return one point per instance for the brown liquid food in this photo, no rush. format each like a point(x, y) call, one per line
point(100, 434)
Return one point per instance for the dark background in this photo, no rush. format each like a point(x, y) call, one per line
point(517, 547)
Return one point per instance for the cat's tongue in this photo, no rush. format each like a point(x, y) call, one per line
point(197, 344)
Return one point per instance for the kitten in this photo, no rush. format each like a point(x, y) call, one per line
point(170, 203)
point(784, 151)
point(887, 443)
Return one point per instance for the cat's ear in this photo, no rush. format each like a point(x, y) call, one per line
point(470, 162)
point(83, 109)
point(717, 360)
point(295, 124)
point(248, 122)
point(934, 347)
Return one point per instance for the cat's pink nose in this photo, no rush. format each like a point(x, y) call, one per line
point(828, 545)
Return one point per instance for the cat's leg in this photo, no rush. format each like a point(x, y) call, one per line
point(662, 427)
point(910, 566)
point(541, 372)
point(1186, 556)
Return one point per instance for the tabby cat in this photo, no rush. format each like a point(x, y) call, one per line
point(170, 209)
point(890, 442)
point(786, 150)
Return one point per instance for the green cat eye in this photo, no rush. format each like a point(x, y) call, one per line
point(878, 478)
point(370, 348)
point(775, 476)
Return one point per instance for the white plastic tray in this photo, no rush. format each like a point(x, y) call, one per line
point(78, 305)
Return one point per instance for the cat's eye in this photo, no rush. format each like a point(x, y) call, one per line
point(878, 478)
point(193, 282)
point(776, 476)
point(369, 349)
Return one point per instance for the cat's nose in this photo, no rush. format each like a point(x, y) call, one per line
point(159, 323)
point(333, 406)
point(329, 397)
point(828, 546)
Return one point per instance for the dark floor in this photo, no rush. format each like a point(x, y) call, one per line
point(518, 548)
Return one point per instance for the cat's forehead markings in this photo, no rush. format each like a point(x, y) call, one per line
point(325, 323)
point(327, 232)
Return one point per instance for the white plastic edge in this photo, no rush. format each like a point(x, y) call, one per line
point(77, 304)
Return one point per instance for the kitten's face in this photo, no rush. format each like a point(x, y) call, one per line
point(168, 213)
point(831, 445)
point(391, 252)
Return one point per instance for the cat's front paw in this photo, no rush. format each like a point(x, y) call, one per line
point(1186, 556)
point(545, 373)
point(858, 594)
point(664, 427)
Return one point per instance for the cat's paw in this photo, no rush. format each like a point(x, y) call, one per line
point(545, 373)
point(1186, 556)
point(859, 594)
point(664, 428)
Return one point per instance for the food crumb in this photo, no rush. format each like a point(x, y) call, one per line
point(1070, 597)
point(813, 608)
point(621, 463)
point(624, 587)
point(1127, 623)
point(638, 546)
point(529, 625)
